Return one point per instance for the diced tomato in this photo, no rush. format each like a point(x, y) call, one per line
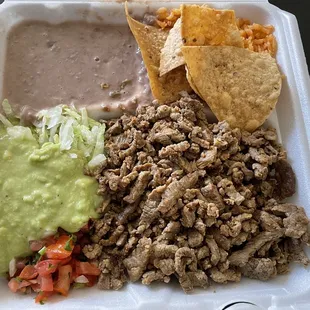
point(77, 249)
point(86, 268)
point(36, 287)
point(22, 290)
point(24, 283)
point(46, 267)
point(65, 261)
point(61, 249)
point(59, 259)
point(17, 285)
point(92, 280)
point(20, 264)
point(46, 283)
point(62, 285)
point(29, 272)
point(42, 296)
point(14, 285)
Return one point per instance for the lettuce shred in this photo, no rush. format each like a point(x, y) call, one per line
point(68, 127)
point(72, 129)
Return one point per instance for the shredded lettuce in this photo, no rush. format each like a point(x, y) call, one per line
point(72, 129)
point(84, 117)
point(68, 127)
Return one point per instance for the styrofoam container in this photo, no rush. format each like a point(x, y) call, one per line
point(291, 118)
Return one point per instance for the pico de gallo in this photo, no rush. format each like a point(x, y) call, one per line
point(57, 265)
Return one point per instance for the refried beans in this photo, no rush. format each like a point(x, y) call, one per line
point(94, 65)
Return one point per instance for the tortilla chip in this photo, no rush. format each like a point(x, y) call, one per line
point(240, 86)
point(151, 40)
point(171, 55)
point(191, 82)
point(201, 25)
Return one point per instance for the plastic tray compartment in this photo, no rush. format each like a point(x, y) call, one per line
point(291, 118)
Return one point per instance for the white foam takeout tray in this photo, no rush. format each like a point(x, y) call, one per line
point(291, 118)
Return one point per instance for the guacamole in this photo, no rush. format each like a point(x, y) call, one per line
point(41, 189)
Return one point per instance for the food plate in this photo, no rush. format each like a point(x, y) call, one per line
point(291, 119)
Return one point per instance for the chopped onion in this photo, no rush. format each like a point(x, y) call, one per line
point(12, 267)
point(81, 279)
point(36, 245)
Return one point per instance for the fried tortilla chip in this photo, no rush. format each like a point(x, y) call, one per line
point(151, 40)
point(171, 55)
point(198, 25)
point(201, 25)
point(191, 82)
point(239, 85)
